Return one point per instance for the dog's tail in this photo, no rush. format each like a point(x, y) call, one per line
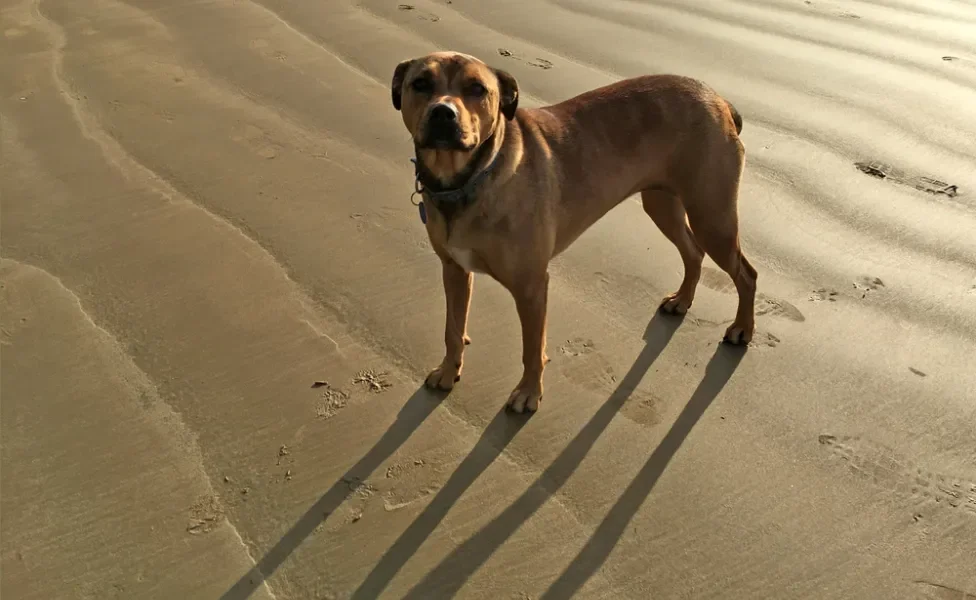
point(736, 117)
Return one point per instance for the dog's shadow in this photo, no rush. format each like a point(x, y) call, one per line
point(493, 441)
point(720, 368)
point(447, 578)
point(413, 413)
point(451, 574)
point(454, 570)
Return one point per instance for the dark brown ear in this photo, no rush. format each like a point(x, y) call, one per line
point(508, 88)
point(398, 74)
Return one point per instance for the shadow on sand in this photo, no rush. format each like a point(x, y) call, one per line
point(589, 560)
point(414, 412)
point(447, 578)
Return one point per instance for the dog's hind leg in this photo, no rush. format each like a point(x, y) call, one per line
point(668, 213)
point(711, 201)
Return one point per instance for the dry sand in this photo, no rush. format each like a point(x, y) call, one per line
point(205, 212)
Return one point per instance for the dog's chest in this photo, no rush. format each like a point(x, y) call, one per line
point(466, 258)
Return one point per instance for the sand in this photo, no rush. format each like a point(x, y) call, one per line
point(218, 306)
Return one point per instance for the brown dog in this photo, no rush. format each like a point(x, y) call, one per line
point(505, 190)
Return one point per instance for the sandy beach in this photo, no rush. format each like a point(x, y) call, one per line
point(210, 256)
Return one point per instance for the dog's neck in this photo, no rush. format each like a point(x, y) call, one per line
point(449, 170)
point(439, 170)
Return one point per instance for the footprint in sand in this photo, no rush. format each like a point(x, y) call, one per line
point(379, 218)
point(920, 182)
point(332, 400)
point(257, 140)
point(587, 368)
point(718, 281)
point(400, 498)
point(969, 63)
point(362, 223)
point(901, 476)
point(540, 63)
point(577, 347)
point(205, 515)
point(421, 14)
point(269, 152)
point(764, 340)
point(165, 115)
point(765, 305)
point(823, 295)
point(410, 482)
point(264, 49)
point(594, 372)
point(361, 491)
point(867, 284)
point(373, 381)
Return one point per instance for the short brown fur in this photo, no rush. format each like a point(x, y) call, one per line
point(559, 169)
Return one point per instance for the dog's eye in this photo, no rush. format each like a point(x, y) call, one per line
point(421, 85)
point(476, 90)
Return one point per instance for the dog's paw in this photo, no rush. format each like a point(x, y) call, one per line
point(739, 335)
point(444, 377)
point(675, 304)
point(525, 398)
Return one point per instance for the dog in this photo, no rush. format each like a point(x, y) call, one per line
point(506, 189)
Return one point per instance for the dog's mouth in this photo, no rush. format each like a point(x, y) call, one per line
point(444, 136)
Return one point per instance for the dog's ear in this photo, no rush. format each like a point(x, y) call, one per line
point(397, 86)
point(509, 92)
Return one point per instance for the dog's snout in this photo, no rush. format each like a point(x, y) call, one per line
point(444, 113)
point(443, 127)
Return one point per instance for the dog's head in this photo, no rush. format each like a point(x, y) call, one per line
point(452, 102)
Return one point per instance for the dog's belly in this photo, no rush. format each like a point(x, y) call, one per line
point(466, 259)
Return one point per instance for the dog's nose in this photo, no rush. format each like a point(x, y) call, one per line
point(444, 113)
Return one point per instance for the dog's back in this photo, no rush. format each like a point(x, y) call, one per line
point(628, 136)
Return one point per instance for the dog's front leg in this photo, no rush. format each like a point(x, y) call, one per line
point(457, 291)
point(531, 301)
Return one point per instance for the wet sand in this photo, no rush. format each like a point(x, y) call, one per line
point(218, 306)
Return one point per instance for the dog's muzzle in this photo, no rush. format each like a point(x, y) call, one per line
point(443, 129)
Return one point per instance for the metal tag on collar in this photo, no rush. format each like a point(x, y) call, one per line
point(418, 189)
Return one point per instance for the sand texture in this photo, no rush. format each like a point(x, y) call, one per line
point(218, 306)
